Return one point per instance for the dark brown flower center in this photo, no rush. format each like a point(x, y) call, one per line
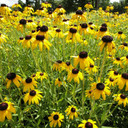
point(55, 117)
point(41, 74)
point(58, 30)
point(73, 110)
point(3, 5)
point(32, 93)
point(107, 39)
point(91, 28)
point(73, 30)
point(21, 38)
point(33, 75)
point(40, 37)
point(100, 86)
point(122, 96)
point(120, 32)
point(50, 12)
point(103, 29)
point(11, 76)
point(28, 37)
point(91, 65)
point(75, 71)
point(84, 25)
point(83, 54)
point(64, 20)
point(23, 21)
point(1, 16)
point(30, 21)
point(88, 125)
point(44, 28)
point(104, 25)
point(111, 79)
point(90, 23)
point(3, 106)
point(67, 63)
point(118, 58)
point(125, 44)
point(125, 75)
point(59, 61)
point(115, 73)
point(127, 57)
point(59, 79)
point(90, 91)
point(41, 8)
point(59, 6)
point(33, 31)
point(38, 28)
point(79, 12)
point(28, 80)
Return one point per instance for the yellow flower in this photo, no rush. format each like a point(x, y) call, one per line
point(113, 74)
point(33, 97)
point(123, 46)
point(3, 38)
point(41, 75)
point(99, 89)
point(73, 35)
point(88, 6)
point(6, 108)
point(91, 69)
point(59, 9)
point(58, 33)
point(83, 28)
point(46, 5)
point(16, 6)
point(122, 80)
point(68, 66)
point(87, 124)
point(21, 39)
point(83, 59)
point(58, 82)
point(56, 118)
point(125, 59)
point(42, 42)
point(30, 24)
point(118, 61)
point(72, 112)
point(12, 77)
point(88, 93)
point(107, 41)
point(121, 98)
point(59, 65)
point(121, 35)
point(109, 82)
point(75, 74)
point(21, 25)
point(29, 84)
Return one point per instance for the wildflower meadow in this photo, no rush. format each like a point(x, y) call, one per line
point(63, 70)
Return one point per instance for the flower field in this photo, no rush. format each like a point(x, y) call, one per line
point(63, 70)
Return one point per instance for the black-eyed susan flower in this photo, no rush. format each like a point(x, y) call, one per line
point(91, 69)
point(12, 77)
point(121, 98)
point(102, 32)
point(121, 35)
point(46, 5)
point(28, 10)
point(60, 9)
point(123, 46)
point(75, 74)
point(3, 38)
point(6, 108)
point(58, 33)
point(29, 84)
point(107, 41)
point(58, 82)
point(83, 59)
point(125, 59)
point(118, 61)
point(68, 66)
point(83, 28)
point(88, 124)
point(33, 96)
point(71, 111)
point(79, 16)
point(122, 80)
point(99, 89)
point(42, 42)
point(59, 65)
point(73, 35)
point(21, 39)
point(113, 74)
point(30, 24)
point(27, 41)
point(88, 93)
point(109, 82)
point(55, 119)
point(88, 6)
point(21, 25)
point(16, 6)
point(41, 75)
